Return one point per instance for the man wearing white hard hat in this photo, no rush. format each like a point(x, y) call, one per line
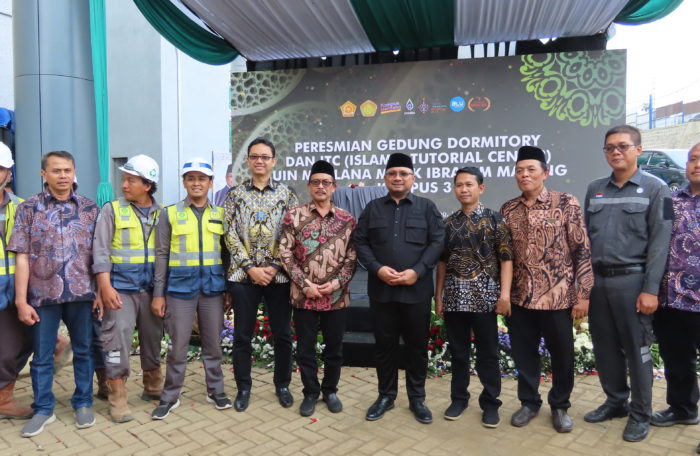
point(16, 338)
point(124, 263)
point(189, 280)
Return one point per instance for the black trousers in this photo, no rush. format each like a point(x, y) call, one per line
point(16, 345)
point(622, 339)
point(409, 321)
point(678, 334)
point(246, 298)
point(306, 325)
point(526, 327)
point(485, 326)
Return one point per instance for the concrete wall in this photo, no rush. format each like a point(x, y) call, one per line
point(7, 98)
point(162, 103)
point(675, 137)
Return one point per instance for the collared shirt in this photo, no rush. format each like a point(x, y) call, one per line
point(319, 249)
point(253, 224)
point(475, 245)
point(631, 224)
point(57, 236)
point(680, 287)
point(552, 264)
point(104, 233)
point(407, 235)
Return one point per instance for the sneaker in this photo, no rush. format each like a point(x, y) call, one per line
point(220, 401)
point(490, 418)
point(84, 418)
point(163, 410)
point(668, 417)
point(35, 426)
point(454, 411)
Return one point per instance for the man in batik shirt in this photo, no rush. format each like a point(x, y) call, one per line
point(677, 323)
point(318, 254)
point(552, 281)
point(254, 210)
point(473, 281)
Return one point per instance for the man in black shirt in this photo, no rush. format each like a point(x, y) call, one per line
point(399, 238)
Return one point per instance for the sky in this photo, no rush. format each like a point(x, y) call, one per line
point(663, 58)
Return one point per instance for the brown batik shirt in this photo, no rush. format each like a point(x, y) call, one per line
point(318, 249)
point(552, 264)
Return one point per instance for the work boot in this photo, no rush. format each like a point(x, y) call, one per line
point(118, 401)
point(152, 384)
point(10, 408)
point(102, 391)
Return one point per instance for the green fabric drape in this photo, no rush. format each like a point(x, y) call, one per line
point(98, 44)
point(406, 24)
point(185, 34)
point(643, 11)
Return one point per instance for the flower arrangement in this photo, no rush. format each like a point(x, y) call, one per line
point(439, 363)
point(263, 354)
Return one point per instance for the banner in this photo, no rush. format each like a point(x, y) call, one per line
point(446, 114)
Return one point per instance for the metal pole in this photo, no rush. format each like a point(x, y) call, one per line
point(54, 96)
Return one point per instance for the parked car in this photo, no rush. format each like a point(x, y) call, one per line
point(666, 164)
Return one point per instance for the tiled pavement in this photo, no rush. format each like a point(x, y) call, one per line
point(265, 428)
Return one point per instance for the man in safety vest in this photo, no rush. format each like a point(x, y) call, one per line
point(124, 261)
point(189, 280)
point(16, 337)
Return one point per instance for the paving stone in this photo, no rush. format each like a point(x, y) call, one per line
point(199, 429)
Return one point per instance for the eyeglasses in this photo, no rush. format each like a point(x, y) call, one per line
point(401, 174)
point(264, 158)
point(317, 182)
point(609, 149)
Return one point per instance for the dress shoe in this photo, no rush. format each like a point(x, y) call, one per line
point(668, 417)
point(308, 406)
point(333, 403)
point(561, 421)
point(241, 401)
point(454, 411)
point(421, 412)
point(382, 405)
point(606, 412)
point(523, 416)
point(635, 431)
point(285, 397)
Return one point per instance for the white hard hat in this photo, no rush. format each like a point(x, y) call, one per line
point(142, 166)
point(6, 160)
point(197, 164)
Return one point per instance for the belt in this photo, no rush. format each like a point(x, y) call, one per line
point(611, 271)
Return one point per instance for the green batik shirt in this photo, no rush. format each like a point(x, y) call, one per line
point(253, 224)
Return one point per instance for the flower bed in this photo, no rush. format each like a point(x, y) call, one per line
point(438, 352)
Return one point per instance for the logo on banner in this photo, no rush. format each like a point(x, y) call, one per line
point(423, 107)
point(368, 108)
point(386, 108)
point(457, 104)
point(348, 109)
point(479, 104)
point(438, 107)
point(409, 108)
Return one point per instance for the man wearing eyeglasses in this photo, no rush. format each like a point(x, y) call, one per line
point(399, 238)
point(254, 211)
point(318, 254)
point(629, 216)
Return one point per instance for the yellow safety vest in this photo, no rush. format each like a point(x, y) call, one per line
point(194, 242)
point(7, 259)
point(128, 244)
